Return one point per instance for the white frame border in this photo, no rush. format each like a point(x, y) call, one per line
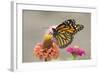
point(16, 52)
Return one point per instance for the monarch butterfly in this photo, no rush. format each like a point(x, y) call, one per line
point(64, 32)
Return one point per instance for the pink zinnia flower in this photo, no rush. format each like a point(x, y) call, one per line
point(48, 49)
point(76, 51)
point(45, 53)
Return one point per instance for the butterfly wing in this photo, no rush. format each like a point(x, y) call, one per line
point(67, 26)
point(78, 28)
point(63, 39)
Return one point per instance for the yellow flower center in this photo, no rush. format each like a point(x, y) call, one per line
point(47, 37)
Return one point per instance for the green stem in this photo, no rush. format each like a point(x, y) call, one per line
point(73, 57)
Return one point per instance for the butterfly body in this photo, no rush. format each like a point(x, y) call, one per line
point(55, 32)
point(64, 33)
